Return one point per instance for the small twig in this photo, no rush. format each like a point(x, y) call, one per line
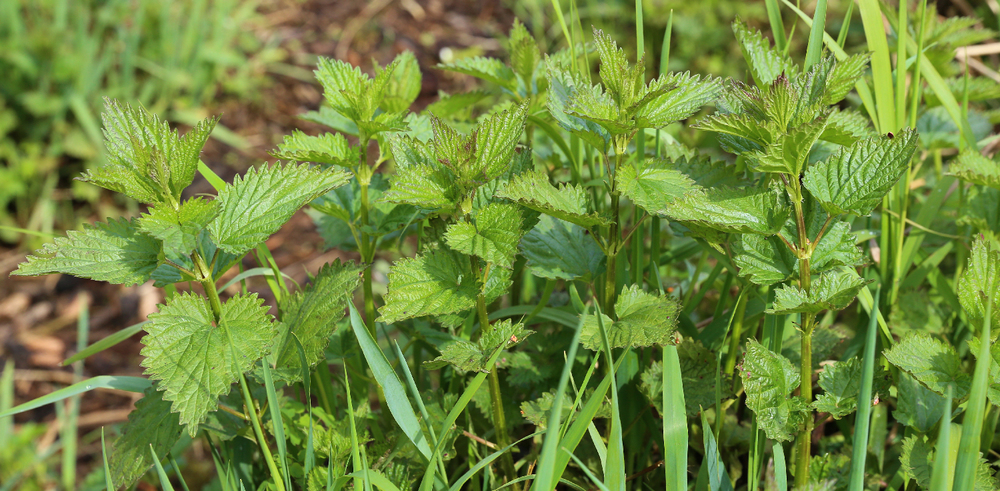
point(925, 229)
point(489, 444)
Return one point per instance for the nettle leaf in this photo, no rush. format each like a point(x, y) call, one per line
point(563, 88)
point(843, 77)
point(654, 186)
point(917, 462)
point(342, 206)
point(682, 95)
point(258, 204)
point(474, 357)
point(451, 105)
point(845, 127)
point(419, 179)
point(493, 236)
point(917, 406)
point(733, 210)
point(311, 315)
point(832, 290)
point(766, 63)
point(179, 229)
point(764, 260)
point(789, 151)
point(644, 319)
point(436, 283)
point(591, 103)
point(750, 134)
point(557, 249)
point(855, 179)
point(328, 148)
point(566, 202)
point(489, 69)
point(978, 280)
point(993, 391)
point(698, 367)
point(146, 160)
point(524, 52)
point(625, 83)
point(152, 423)
point(404, 84)
point(116, 252)
point(769, 380)
point(841, 383)
point(166, 274)
point(339, 78)
point(972, 166)
point(705, 171)
point(496, 138)
point(196, 359)
point(934, 363)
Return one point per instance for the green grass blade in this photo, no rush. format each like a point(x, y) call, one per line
point(177, 471)
point(885, 106)
point(972, 423)
point(277, 423)
point(901, 38)
point(675, 428)
point(489, 459)
point(941, 472)
point(717, 476)
point(614, 473)
point(815, 49)
point(310, 457)
point(160, 472)
point(777, 27)
point(548, 474)
point(665, 64)
point(863, 416)
point(547, 313)
point(590, 475)
point(250, 273)
point(395, 394)
point(107, 469)
point(412, 385)
point(360, 473)
point(211, 176)
point(780, 468)
point(845, 27)
point(105, 343)
point(130, 384)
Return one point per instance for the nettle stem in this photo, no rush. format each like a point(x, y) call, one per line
point(204, 272)
point(614, 243)
point(496, 396)
point(804, 253)
point(367, 245)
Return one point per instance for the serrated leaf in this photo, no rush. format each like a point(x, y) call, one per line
point(763, 260)
point(450, 105)
point(655, 185)
point(489, 69)
point(178, 229)
point(342, 206)
point(766, 63)
point(493, 236)
point(196, 359)
point(978, 280)
point(789, 151)
point(167, 274)
point(855, 179)
point(591, 103)
point(917, 406)
point(151, 423)
point(751, 134)
point(474, 357)
point(625, 82)
point(436, 283)
point(644, 319)
point(146, 160)
point(563, 87)
point(339, 78)
point(496, 139)
point(566, 202)
point(833, 290)
point(934, 363)
point(915, 459)
point(557, 249)
point(328, 148)
point(683, 95)
point(845, 127)
point(972, 166)
point(769, 380)
point(843, 77)
point(698, 366)
point(258, 204)
point(706, 171)
point(116, 252)
point(311, 315)
point(404, 84)
point(841, 383)
point(733, 210)
point(419, 179)
point(524, 52)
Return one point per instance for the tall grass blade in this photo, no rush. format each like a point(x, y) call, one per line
point(107, 469)
point(972, 422)
point(942, 472)
point(360, 473)
point(130, 384)
point(310, 457)
point(489, 459)
point(777, 26)
point(863, 416)
point(614, 473)
point(780, 468)
point(420, 403)
point(718, 477)
point(885, 106)
point(160, 472)
point(547, 474)
point(815, 49)
point(901, 39)
point(277, 423)
point(675, 428)
point(395, 394)
point(177, 470)
point(105, 343)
